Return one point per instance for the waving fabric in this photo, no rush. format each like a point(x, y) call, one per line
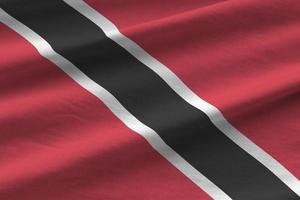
point(149, 99)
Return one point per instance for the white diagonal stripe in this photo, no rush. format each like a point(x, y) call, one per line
point(44, 48)
point(187, 94)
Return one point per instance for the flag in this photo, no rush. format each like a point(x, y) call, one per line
point(149, 99)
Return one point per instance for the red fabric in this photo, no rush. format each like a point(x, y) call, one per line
point(240, 56)
point(60, 142)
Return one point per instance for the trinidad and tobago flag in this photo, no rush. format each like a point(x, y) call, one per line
point(142, 100)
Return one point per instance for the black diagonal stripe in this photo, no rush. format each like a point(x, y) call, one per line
point(186, 129)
